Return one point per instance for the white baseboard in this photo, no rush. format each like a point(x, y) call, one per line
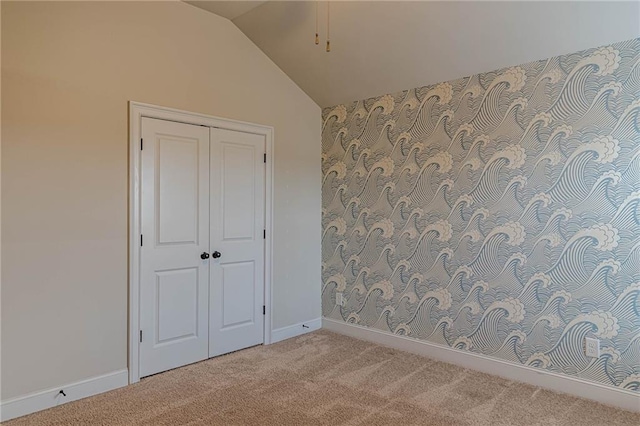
point(295, 330)
point(621, 398)
point(42, 400)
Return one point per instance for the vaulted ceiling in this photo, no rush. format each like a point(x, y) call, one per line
point(227, 9)
point(384, 47)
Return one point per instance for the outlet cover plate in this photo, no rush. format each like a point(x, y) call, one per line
point(592, 347)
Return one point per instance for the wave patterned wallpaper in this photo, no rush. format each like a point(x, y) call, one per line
point(498, 214)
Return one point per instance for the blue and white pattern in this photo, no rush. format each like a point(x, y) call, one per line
point(498, 214)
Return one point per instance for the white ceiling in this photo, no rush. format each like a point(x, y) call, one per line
point(227, 9)
point(384, 47)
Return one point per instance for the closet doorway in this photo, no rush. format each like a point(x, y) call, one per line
point(199, 270)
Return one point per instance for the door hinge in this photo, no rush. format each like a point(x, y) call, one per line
point(140, 336)
point(140, 240)
point(264, 234)
point(141, 143)
point(265, 157)
point(264, 310)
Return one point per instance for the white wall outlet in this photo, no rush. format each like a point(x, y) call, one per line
point(339, 299)
point(592, 347)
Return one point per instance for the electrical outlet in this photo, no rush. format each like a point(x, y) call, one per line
point(592, 347)
point(339, 299)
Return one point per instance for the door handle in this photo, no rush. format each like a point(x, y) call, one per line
point(216, 254)
point(204, 255)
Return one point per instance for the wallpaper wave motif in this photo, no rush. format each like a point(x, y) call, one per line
point(498, 214)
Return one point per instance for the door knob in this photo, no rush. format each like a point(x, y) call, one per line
point(216, 254)
point(204, 255)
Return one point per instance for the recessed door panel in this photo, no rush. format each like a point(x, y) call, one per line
point(177, 181)
point(237, 293)
point(238, 191)
point(177, 295)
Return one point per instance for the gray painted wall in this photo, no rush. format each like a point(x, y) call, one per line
point(68, 71)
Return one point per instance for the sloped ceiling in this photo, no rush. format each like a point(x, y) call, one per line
point(227, 9)
point(383, 47)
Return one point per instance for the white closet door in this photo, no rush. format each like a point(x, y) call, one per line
point(237, 226)
point(174, 282)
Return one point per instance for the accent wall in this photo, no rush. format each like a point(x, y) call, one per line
point(497, 214)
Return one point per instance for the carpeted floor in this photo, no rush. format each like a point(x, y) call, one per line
point(328, 379)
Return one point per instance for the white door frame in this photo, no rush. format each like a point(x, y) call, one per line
point(138, 110)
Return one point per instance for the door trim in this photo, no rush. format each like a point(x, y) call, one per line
point(137, 111)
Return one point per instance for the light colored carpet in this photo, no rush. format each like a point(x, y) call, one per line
point(324, 378)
